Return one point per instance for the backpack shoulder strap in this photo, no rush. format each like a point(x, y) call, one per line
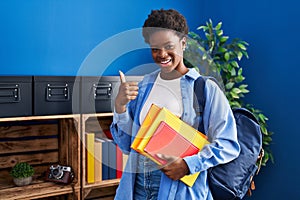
point(199, 98)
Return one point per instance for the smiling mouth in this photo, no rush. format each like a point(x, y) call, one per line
point(164, 62)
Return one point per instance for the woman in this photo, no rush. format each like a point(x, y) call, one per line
point(172, 87)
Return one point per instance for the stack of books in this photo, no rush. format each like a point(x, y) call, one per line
point(162, 132)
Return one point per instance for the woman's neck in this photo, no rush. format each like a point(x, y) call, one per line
point(174, 74)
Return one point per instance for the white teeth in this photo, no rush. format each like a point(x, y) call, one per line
point(165, 62)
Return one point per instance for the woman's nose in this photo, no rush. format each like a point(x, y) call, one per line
point(162, 53)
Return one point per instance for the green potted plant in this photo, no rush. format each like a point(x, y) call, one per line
point(22, 173)
point(215, 55)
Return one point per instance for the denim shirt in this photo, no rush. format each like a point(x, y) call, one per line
point(219, 125)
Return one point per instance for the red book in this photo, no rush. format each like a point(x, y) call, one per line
point(108, 134)
point(167, 141)
point(119, 162)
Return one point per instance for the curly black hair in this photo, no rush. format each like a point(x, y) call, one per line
point(166, 19)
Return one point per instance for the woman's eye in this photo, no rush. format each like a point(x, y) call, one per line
point(168, 47)
point(154, 49)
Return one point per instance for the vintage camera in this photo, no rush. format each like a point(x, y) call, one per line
point(60, 174)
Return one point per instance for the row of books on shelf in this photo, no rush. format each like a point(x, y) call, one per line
point(104, 159)
point(162, 132)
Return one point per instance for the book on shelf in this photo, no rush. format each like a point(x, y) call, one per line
point(104, 156)
point(98, 161)
point(124, 161)
point(119, 162)
point(90, 157)
point(170, 131)
point(112, 160)
point(108, 134)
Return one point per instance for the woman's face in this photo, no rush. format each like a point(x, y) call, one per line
point(167, 50)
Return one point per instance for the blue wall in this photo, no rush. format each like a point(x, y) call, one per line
point(272, 72)
point(54, 37)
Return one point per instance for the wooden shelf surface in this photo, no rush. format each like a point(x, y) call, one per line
point(105, 183)
point(28, 118)
point(86, 116)
point(39, 190)
point(88, 188)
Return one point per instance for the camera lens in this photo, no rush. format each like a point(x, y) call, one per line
point(57, 172)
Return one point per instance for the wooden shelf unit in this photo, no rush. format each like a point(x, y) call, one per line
point(95, 123)
point(41, 141)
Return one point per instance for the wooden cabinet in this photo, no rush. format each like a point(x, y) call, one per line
point(97, 124)
point(41, 141)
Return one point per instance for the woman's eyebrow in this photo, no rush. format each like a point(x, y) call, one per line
point(157, 46)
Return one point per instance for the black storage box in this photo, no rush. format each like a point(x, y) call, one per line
point(15, 96)
point(56, 95)
point(98, 92)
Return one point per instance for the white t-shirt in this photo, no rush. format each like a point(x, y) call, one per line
point(164, 93)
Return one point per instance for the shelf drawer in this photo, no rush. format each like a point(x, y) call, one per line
point(55, 95)
point(15, 96)
point(99, 92)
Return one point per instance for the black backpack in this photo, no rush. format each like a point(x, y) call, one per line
point(233, 180)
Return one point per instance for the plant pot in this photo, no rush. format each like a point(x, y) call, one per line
point(22, 181)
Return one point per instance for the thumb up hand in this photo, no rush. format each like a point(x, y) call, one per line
point(127, 91)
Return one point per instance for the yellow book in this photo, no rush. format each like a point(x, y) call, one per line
point(152, 113)
point(90, 160)
point(187, 131)
point(98, 161)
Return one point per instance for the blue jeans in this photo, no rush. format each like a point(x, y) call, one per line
point(147, 180)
